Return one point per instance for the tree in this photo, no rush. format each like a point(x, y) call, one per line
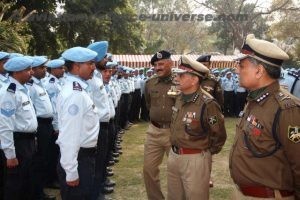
point(14, 35)
point(95, 20)
point(164, 31)
point(254, 12)
point(286, 31)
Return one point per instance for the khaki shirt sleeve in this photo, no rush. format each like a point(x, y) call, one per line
point(289, 133)
point(215, 121)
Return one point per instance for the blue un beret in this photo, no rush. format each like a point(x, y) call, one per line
point(101, 49)
point(79, 54)
point(12, 55)
point(38, 61)
point(55, 63)
point(17, 64)
point(160, 56)
point(3, 55)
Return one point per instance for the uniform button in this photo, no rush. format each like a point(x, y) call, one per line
point(163, 107)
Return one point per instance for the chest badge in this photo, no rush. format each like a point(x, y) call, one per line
point(212, 120)
point(294, 133)
point(188, 117)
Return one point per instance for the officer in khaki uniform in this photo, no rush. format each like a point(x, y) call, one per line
point(210, 84)
point(197, 132)
point(264, 160)
point(160, 105)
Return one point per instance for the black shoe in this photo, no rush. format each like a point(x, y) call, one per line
point(48, 197)
point(109, 183)
point(120, 151)
point(118, 147)
point(107, 190)
point(115, 155)
point(110, 163)
point(109, 174)
point(108, 169)
point(116, 160)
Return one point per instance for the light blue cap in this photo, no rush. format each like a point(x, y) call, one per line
point(17, 64)
point(12, 55)
point(111, 64)
point(55, 63)
point(3, 55)
point(38, 61)
point(101, 49)
point(79, 54)
point(109, 55)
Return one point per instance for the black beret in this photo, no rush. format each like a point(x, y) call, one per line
point(204, 58)
point(160, 56)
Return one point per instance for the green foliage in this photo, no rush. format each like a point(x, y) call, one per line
point(102, 20)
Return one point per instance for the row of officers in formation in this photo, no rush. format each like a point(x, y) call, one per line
point(69, 124)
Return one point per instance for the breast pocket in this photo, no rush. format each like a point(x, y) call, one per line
point(195, 129)
point(155, 98)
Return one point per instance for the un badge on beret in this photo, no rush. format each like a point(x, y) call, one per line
point(294, 134)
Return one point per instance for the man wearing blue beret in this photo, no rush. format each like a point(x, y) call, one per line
point(53, 86)
point(44, 113)
point(18, 125)
point(78, 121)
point(100, 97)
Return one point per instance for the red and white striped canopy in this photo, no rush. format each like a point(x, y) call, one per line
point(138, 61)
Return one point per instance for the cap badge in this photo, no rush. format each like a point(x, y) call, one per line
point(159, 55)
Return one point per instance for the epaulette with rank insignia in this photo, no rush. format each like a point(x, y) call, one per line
point(294, 74)
point(262, 97)
point(285, 100)
point(77, 86)
point(52, 80)
point(30, 82)
point(205, 96)
point(11, 88)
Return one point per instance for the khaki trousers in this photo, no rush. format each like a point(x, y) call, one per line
point(157, 144)
point(238, 195)
point(188, 176)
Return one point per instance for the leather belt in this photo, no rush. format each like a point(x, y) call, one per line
point(158, 125)
point(263, 192)
point(180, 151)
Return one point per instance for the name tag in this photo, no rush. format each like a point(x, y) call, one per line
point(42, 94)
point(25, 103)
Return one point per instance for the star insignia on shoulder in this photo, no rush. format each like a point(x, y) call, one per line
point(262, 97)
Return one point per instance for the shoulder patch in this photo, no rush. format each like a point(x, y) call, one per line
point(30, 82)
point(11, 88)
point(77, 86)
point(294, 133)
point(284, 100)
point(7, 109)
point(52, 80)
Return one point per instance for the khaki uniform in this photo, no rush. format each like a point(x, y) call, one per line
point(197, 131)
point(265, 153)
point(158, 134)
point(213, 87)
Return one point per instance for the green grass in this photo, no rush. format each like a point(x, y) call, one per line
point(129, 171)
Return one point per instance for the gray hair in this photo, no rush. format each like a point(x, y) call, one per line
point(272, 71)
